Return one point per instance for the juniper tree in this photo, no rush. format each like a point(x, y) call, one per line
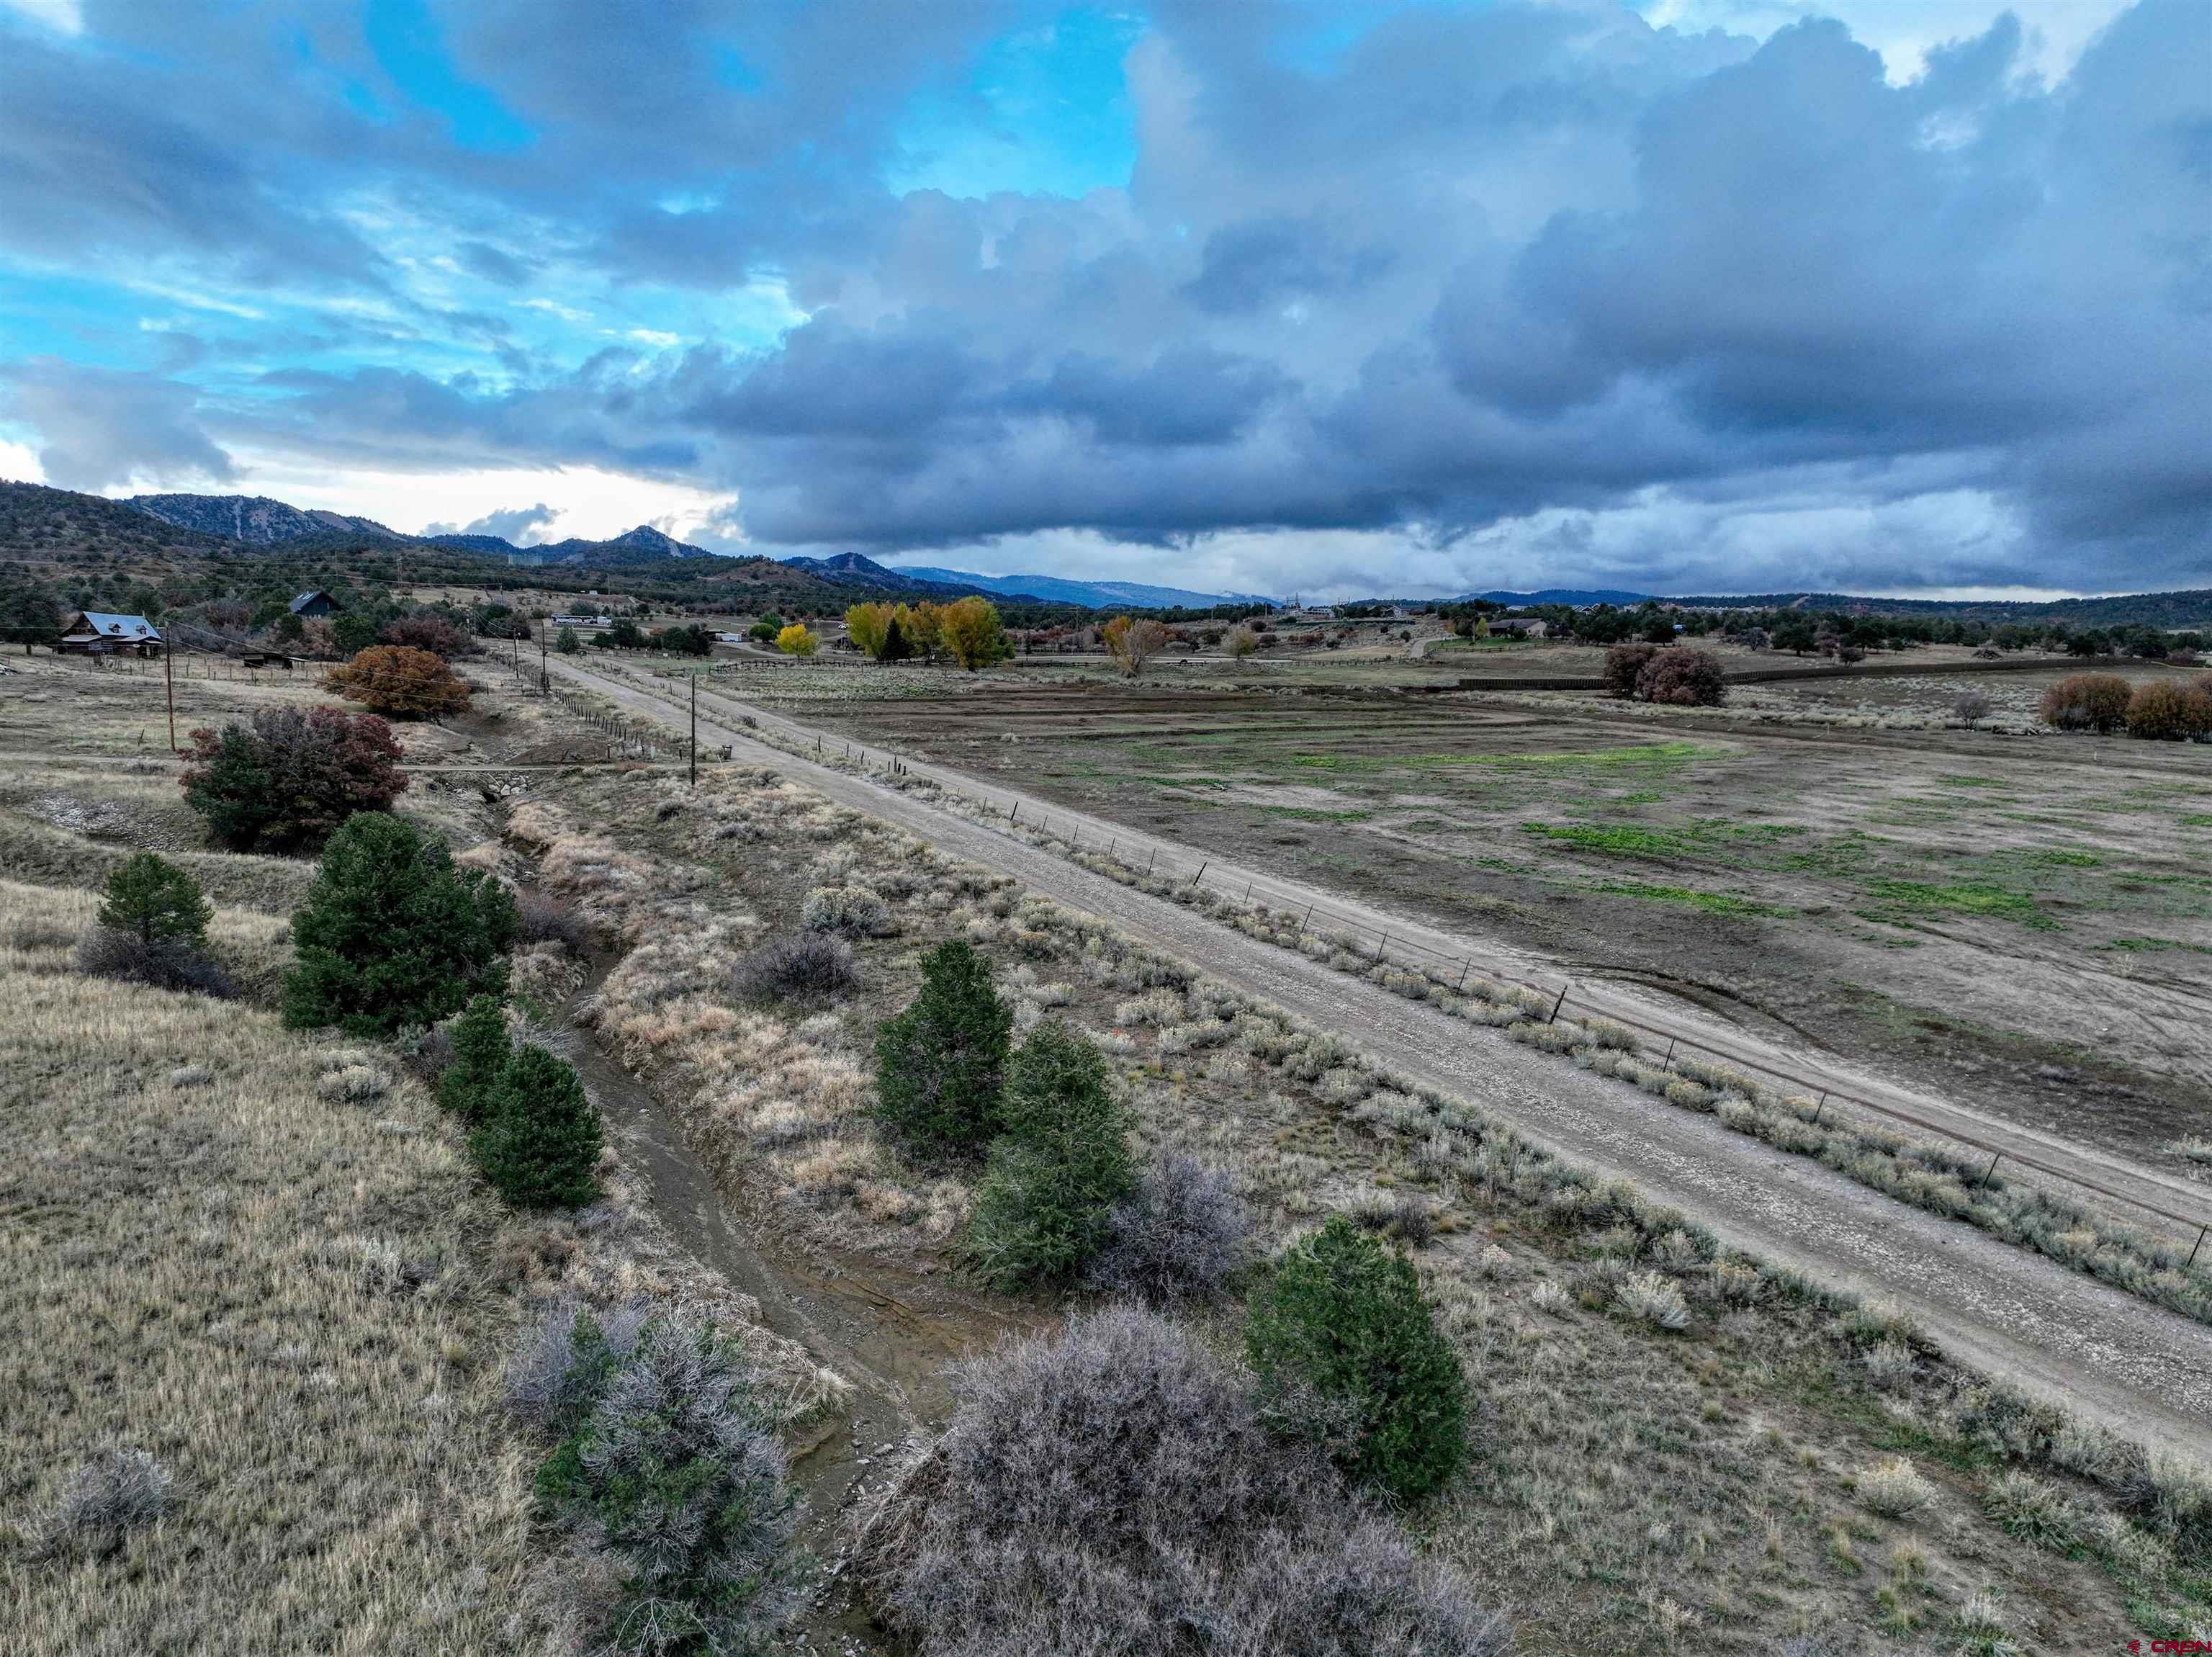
point(939, 1064)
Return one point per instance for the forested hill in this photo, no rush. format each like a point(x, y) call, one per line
point(2192, 607)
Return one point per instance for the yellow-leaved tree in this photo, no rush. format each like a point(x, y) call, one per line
point(868, 624)
point(972, 633)
point(919, 626)
point(797, 640)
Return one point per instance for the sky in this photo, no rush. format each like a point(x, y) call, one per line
point(1325, 298)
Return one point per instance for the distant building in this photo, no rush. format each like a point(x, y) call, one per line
point(95, 633)
point(583, 621)
point(308, 605)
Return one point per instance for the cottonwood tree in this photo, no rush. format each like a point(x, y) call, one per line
point(866, 624)
point(1132, 644)
point(972, 633)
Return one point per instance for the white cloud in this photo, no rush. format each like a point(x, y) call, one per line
point(566, 313)
point(1904, 31)
point(589, 502)
point(19, 463)
point(65, 15)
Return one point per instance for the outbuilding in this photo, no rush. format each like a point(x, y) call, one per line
point(308, 605)
point(95, 633)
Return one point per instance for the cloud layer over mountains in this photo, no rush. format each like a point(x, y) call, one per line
point(1429, 298)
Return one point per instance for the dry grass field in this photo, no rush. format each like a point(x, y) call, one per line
point(265, 1262)
point(2023, 922)
point(275, 1297)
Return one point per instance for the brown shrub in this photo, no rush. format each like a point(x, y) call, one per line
point(439, 637)
point(400, 683)
point(1624, 663)
point(2163, 711)
point(2087, 702)
point(1685, 678)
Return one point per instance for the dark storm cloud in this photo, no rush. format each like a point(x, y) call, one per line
point(1451, 268)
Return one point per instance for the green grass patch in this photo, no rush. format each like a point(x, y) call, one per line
point(1309, 815)
point(1663, 756)
point(2067, 859)
point(1628, 840)
point(2197, 820)
point(1961, 898)
point(2153, 946)
point(1971, 782)
point(1710, 903)
point(1622, 841)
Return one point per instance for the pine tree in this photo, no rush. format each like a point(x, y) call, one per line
point(1348, 1353)
point(539, 1139)
point(153, 899)
point(1046, 1202)
point(392, 934)
point(939, 1064)
point(481, 1051)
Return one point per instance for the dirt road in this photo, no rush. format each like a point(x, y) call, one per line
point(2015, 1315)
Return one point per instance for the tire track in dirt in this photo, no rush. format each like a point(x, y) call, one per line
point(2015, 1315)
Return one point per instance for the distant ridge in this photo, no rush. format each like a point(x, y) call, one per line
point(1574, 595)
point(255, 519)
point(1097, 595)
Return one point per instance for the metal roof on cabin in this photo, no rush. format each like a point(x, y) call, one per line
point(110, 626)
point(307, 598)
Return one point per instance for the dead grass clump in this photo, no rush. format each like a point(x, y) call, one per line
point(1894, 1487)
point(545, 919)
point(115, 1492)
point(1657, 1299)
point(1113, 1488)
point(852, 909)
point(2034, 1510)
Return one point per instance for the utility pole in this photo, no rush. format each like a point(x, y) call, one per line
point(169, 687)
point(695, 730)
point(545, 681)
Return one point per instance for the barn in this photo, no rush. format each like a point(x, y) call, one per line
point(95, 633)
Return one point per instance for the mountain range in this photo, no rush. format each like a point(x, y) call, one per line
point(257, 521)
point(1574, 596)
point(1097, 595)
